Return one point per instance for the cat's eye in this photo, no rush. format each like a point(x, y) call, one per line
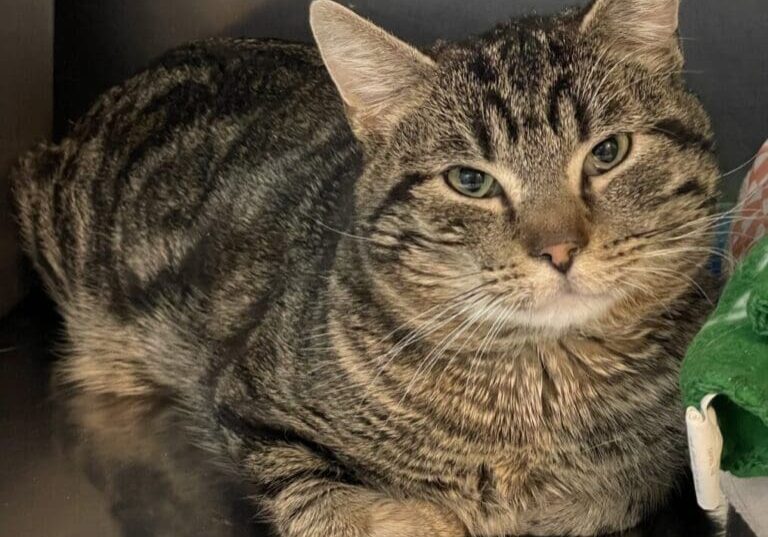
point(607, 154)
point(472, 183)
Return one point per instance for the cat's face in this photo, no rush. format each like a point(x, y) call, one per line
point(548, 174)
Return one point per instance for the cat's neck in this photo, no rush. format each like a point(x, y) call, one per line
point(505, 381)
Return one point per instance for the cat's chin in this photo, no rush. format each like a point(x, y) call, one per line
point(564, 310)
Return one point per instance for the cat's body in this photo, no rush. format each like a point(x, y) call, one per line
point(201, 231)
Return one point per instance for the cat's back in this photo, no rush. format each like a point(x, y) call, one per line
point(191, 181)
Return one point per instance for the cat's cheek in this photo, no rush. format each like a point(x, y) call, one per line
point(543, 280)
point(591, 277)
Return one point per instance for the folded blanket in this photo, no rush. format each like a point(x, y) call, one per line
point(729, 357)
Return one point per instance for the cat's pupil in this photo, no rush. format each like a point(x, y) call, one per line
point(471, 180)
point(607, 151)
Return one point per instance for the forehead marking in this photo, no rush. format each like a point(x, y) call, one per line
point(483, 137)
point(501, 107)
point(560, 90)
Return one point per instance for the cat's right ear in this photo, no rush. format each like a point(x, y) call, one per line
point(377, 75)
point(645, 31)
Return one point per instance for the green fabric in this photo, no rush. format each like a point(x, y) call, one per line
point(757, 307)
point(729, 357)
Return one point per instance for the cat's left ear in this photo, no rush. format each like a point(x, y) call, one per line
point(377, 75)
point(638, 30)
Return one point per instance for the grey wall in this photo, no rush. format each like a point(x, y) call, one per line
point(26, 101)
point(99, 42)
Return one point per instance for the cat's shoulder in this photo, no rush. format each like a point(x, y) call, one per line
point(202, 82)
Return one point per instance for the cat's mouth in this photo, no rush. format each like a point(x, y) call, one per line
point(558, 304)
point(568, 288)
point(567, 307)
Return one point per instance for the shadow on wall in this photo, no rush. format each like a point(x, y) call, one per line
point(26, 101)
point(98, 44)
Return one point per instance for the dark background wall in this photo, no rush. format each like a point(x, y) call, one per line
point(100, 42)
point(26, 101)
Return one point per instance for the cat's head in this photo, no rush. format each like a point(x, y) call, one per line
point(549, 173)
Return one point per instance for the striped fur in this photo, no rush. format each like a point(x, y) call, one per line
point(374, 354)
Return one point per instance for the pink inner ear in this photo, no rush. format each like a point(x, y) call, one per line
point(751, 221)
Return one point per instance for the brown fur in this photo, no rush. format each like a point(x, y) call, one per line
point(377, 354)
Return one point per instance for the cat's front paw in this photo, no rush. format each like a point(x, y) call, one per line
point(413, 519)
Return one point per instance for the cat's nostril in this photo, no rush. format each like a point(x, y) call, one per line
point(560, 256)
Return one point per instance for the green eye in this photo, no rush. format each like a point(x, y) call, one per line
point(607, 154)
point(472, 183)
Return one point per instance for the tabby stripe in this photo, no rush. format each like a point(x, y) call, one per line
point(483, 136)
point(556, 51)
point(400, 193)
point(528, 42)
point(434, 483)
point(276, 487)
point(194, 272)
point(386, 322)
point(486, 486)
point(502, 109)
point(483, 69)
point(359, 287)
point(238, 342)
point(563, 88)
point(180, 106)
point(250, 431)
point(408, 239)
point(682, 135)
point(37, 210)
point(582, 118)
point(558, 89)
point(548, 390)
point(691, 186)
point(61, 227)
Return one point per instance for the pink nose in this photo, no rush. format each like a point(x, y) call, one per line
point(560, 255)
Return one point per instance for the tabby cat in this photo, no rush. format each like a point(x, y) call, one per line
point(401, 293)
